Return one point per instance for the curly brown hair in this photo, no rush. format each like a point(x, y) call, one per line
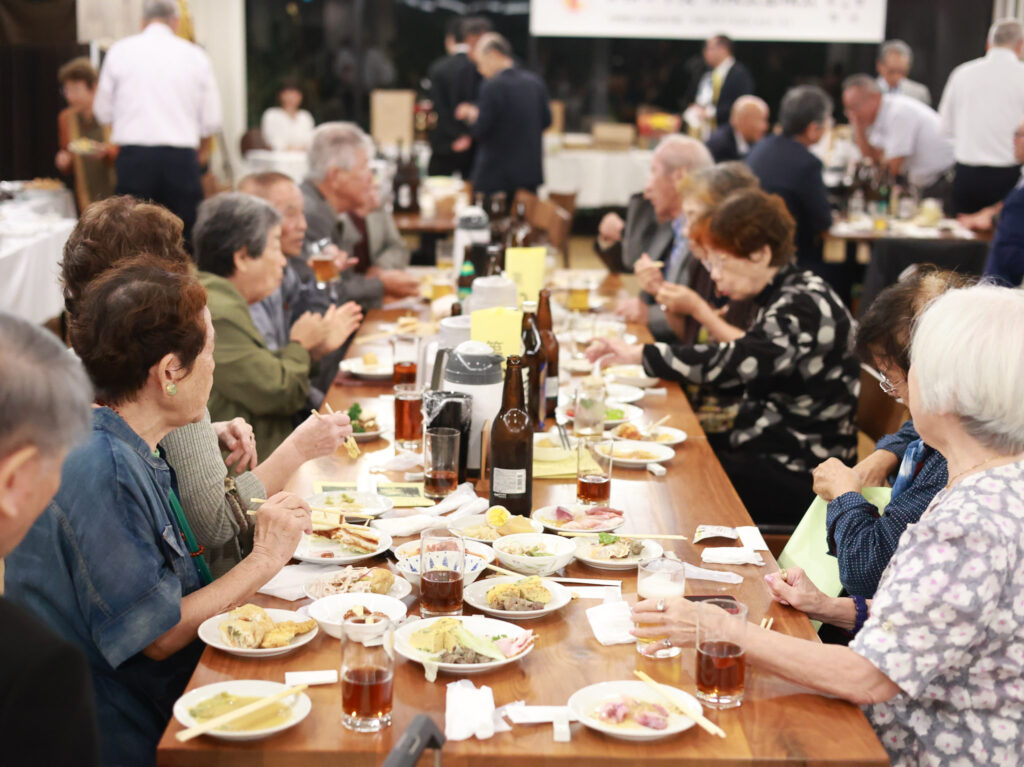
point(746, 221)
point(113, 230)
point(78, 70)
point(132, 315)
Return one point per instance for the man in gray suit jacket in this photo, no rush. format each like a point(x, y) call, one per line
point(894, 60)
point(653, 232)
point(340, 206)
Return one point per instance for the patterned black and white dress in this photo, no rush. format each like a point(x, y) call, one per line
point(796, 367)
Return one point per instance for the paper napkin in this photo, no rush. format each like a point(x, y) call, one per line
point(611, 623)
point(289, 581)
point(469, 711)
point(730, 555)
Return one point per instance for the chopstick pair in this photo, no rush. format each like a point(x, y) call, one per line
point(320, 510)
point(767, 623)
point(230, 716)
point(350, 444)
point(680, 705)
point(652, 536)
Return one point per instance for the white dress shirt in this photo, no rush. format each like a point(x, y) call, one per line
point(907, 87)
point(157, 89)
point(904, 127)
point(283, 132)
point(981, 107)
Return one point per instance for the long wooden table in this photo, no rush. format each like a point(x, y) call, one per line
point(778, 722)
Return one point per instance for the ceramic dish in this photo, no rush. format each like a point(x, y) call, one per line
point(584, 702)
point(546, 515)
point(412, 549)
point(631, 375)
point(209, 632)
point(400, 589)
point(382, 371)
point(329, 612)
point(475, 595)
point(560, 552)
point(625, 448)
point(474, 623)
point(585, 544)
point(320, 551)
point(363, 503)
point(480, 520)
point(299, 704)
point(409, 568)
point(662, 435)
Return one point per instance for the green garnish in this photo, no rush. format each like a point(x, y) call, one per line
point(614, 414)
point(605, 538)
point(355, 411)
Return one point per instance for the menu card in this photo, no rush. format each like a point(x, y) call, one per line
point(500, 328)
point(404, 494)
point(525, 266)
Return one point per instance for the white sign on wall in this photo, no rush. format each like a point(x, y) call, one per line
point(861, 21)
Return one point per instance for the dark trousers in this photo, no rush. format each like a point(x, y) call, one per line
point(166, 175)
point(978, 186)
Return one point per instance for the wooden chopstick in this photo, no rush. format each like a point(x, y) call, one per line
point(656, 424)
point(767, 623)
point(230, 716)
point(652, 536)
point(321, 510)
point(680, 705)
point(503, 571)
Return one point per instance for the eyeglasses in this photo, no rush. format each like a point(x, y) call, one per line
point(887, 386)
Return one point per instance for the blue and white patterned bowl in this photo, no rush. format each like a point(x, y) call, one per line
point(409, 567)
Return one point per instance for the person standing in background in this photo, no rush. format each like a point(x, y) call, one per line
point(893, 64)
point(288, 128)
point(981, 106)
point(725, 82)
point(158, 93)
point(85, 149)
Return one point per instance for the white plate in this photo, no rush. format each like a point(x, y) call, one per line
point(546, 516)
point(663, 435)
point(631, 413)
point(400, 589)
point(367, 436)
point(209, 632)
point(474, 623)
point(310, 550)
point(661, 453)
point(632, 375)
point(299, 704)
point(584, 544)
point(369, 503)
point(584, 701)
point(476, 595)
point(618, 392)
point(481, 519)
point(477, 549)
point(382, 371)
point(330, 611)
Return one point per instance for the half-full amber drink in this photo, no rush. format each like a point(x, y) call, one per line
point(324, 268)
point(593, 488)
point(720, 670)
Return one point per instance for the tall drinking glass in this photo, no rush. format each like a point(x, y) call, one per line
point(659, 579)
point(440, 461)
point(405, 352)
point(442, 562)
point(408, 416)
point(721, 641)
point(594, 460)
point(367, 673)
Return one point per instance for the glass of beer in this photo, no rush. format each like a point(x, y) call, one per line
point(440, 461)
point(367, 673)
point(442, 561)
point(408, 416)
point(579, 294)
point(594, 459)
point(321, 260)
point(444, 260)
point(659, 579)
point(405, 352)
point(721, 632)
point(441, 285)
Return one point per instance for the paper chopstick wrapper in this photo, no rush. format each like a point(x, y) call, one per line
point(703, 574)
point(714, 531)
point(326, 676)
point(748, 535)
point(731, 555)
point(751, 538)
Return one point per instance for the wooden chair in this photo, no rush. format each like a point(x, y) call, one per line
point(253, 139)
point(567, 202)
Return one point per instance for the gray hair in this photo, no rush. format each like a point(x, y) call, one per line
point(228, 222)
point(861, 82)
point(678, 152)
point(492, 41)
point(967, 355)
point(898, 47)
point(44, 391)
point(335, 145)
point(159, 9)
point(803, 106)
point(1006, 33)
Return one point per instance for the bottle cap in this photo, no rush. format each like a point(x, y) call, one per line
point(529, 306)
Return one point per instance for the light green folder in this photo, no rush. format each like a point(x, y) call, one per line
point(808, 546)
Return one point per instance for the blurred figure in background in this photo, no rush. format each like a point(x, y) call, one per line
point(726, 81)
point(288, 127)
point(748, 122)
point(893, 65)
point(85, 149)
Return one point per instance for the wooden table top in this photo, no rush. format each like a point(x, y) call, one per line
point(778, 721)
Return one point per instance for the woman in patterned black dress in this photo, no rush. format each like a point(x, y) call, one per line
point(799, 376)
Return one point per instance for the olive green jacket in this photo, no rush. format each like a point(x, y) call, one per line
point(266, 388)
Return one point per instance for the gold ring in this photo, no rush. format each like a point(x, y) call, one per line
point(782, 573)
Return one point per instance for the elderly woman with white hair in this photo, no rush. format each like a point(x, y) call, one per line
point(938, 655)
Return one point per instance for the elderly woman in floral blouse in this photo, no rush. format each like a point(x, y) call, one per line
point(938, 657)
point(794, 362)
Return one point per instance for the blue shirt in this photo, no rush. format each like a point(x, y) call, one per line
point(106, 567)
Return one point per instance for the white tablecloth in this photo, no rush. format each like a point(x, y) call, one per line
point(600, 177)
point(30, 252)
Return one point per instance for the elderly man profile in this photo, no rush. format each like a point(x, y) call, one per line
point(44, 680)
point(340, 205)
point(895, 58)
point(748, 122)
point(653, 230)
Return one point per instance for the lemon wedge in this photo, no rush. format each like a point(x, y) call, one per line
point(497, 516)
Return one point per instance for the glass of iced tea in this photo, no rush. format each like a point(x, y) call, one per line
point(405, 351)
point(594, 459)
point(659, 579)
point(440, 461)
point(721, 634)
point(442, 561)
point(367, 672)
point(408, 416)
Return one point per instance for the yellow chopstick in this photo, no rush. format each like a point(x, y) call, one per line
point(680, 705)
point(230, 716)
point(653, 536)
point(767, 623)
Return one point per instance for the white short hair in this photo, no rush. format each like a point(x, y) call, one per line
point(1006, 33)
point(678, 152)
point(335, 145)
point(967, 355)
point(159, 9)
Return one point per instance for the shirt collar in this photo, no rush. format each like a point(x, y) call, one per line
point(725, 66)
point(157, 28)
point(741, 143)
point(997, 50)
point(106, 419)
point(460, 48)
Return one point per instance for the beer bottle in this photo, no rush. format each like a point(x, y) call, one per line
point(535, 364)
point(520, 233)
point(512, 446)
point(406, 183)
point(550, 343)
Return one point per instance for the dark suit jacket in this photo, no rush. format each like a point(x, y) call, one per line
point(514, 111)
point(739, 82)
point(453, 80)
point(1006, 256)
point(788, 169)
point(722, 144)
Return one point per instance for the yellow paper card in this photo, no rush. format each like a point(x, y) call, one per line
point(404, 494)
point(564, 468)
point(500, 328)
point(525, 266)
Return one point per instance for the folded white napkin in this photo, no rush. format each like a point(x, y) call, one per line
point(703, 574)
point(730, 555)
point(288, 582)
point(611, 623)
point(751, 538)
point(402, 527)
point(475, 506)
point(401, 461)
point(463, 494)
point(469, 711)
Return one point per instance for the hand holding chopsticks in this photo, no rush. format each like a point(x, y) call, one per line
point(230, 716)
point(681, 705)
point(327, 510)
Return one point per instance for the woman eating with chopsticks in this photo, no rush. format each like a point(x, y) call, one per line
point(112, 564)
point(938, 655)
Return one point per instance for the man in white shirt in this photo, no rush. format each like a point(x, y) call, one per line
point(158, 93)
point(981, 106)
point(899, 133)
point(893, 65)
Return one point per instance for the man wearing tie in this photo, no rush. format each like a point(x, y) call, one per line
point(726, 81)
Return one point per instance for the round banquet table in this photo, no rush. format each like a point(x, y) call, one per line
point(30, 252)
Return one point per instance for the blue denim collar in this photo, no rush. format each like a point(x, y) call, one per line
point(105, 419)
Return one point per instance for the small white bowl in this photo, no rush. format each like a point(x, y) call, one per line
point(330, 611)
point(412, 549)
point(409, 567)
point(563, 550)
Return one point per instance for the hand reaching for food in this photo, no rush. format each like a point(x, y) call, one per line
point(615, 351)
point(320, 435)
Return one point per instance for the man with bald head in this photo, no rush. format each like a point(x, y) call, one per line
point(748, 122)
